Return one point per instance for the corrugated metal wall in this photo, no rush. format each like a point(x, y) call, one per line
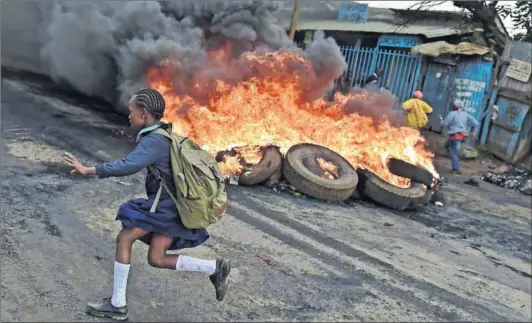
point(523, 52)
point(438, 91)
point(509, 136)
point(472, 83)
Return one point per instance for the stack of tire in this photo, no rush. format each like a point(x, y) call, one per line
point(301, 170)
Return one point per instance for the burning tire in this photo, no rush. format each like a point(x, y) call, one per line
point(415, 173)
point(319, 172)
point(267, 170)
point(394, 197)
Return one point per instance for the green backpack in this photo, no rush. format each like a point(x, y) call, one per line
point(200, 186)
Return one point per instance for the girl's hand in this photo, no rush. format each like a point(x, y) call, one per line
point(78, 167)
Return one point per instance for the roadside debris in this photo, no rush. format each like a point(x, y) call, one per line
point(467, 152)
point(283, 186)
point(527, 187)
point(514, 179)
point(472, 182)
point(233, 180)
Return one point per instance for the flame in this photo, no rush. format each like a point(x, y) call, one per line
point(330, 169)
point(266, 104)
point(230, 165)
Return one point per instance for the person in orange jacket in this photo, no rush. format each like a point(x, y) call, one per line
point(416, 111)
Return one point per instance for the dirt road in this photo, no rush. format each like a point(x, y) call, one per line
point(294, 258)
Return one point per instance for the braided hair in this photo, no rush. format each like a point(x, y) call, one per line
point(150, 100)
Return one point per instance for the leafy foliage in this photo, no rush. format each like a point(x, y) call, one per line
point(522, 17)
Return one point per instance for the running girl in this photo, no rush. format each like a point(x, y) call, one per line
point(160, 227)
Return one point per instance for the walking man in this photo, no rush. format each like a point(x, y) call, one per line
point(459, 124)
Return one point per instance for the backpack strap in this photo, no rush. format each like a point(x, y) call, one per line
point(163, 132)
point(166, 132)
point(157, 197)
point(155, 171)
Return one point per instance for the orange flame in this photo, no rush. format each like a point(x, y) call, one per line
point(267, 105)
point(330, 169)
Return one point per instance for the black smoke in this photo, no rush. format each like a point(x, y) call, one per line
point(104, 48)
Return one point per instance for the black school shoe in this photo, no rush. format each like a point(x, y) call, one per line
point(219, 278)
point(104, 308)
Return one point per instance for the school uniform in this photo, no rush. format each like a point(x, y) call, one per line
point(152, 149)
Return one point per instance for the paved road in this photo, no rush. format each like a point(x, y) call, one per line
point(294, 258)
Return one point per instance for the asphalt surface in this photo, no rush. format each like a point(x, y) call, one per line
point(294, 258)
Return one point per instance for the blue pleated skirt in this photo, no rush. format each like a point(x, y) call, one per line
point(164, 221)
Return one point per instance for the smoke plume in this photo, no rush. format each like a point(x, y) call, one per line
point(106, 48)
point(377, 104)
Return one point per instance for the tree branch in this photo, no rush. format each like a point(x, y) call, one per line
point(415, 8)
point(487, 16)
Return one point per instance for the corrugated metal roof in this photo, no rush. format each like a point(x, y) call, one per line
point(322, 15)
point(376, 27)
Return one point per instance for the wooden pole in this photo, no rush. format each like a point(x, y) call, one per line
point(293, 19)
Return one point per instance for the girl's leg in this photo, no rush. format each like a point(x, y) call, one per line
point(157, 256)
point(115, 306)
point(218, 270)
point(124, 243)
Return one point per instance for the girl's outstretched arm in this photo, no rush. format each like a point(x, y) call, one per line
point(79, 169)
point(146, 153)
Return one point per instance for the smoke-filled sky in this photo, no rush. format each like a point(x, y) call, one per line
point(105, 48)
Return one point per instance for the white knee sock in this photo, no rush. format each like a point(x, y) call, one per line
point(186, 263)
point(120, 283)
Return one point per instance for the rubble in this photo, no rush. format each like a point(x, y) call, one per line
point(283, 186)
point(472, 182)
point(233, 180)
point(514, 179)
point(527, 187)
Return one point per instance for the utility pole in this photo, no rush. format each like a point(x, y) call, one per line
point(293, 20)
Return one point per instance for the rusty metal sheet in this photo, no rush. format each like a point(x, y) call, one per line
point(510, 135)
point(438, 48)
point(521, 51)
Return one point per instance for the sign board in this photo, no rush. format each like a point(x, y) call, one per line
point(397, 41)
point(353, 12)
point(519, 70)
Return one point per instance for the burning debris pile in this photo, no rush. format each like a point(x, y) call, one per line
point(232, 79)
point(514, 179)
point(264, 100)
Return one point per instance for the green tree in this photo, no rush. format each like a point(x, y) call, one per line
point(485, 13)
point(522, 17)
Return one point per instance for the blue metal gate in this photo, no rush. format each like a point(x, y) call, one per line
point(400, 69)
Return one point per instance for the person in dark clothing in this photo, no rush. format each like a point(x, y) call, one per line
point(160, 227)
point(372, 83)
